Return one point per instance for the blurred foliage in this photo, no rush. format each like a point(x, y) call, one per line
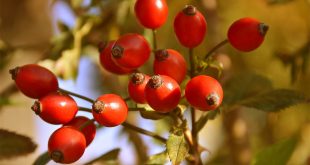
point(13, 145)
point(109, 157)
point(255, 80)
point(276, 154)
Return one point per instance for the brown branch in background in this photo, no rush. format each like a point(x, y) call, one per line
point(237, 138)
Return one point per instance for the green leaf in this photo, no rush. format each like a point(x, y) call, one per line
point(158, 159)
point(276, 154)
point(152, 115)
point(107, 158)
point(177, 148)
point(205, 118)
point(274, 100)
point(42, 159)
point(244, 85)
point(13, 145)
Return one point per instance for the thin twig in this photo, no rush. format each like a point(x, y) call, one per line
point(77, 95)
point(85, 109)
point(209, 54)
point(145, 132)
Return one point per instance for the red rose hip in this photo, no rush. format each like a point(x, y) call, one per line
point(131, 51)
point(34, 81)
point(151, 13)
point(246, 34)
point(162, 93)
point(204, 93)
point(107, 62)
point(136, 87)
point(110, 110)
point(171, 63)
point(190, 27)
point(55, 108)
point(89, 131)
point(66, 145)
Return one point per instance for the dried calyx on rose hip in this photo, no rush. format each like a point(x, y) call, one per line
point(136, 87)
point(56, 108)
point(247, 34)
point(151, 13)
point(89, 129)
point(171, 63)
point(162, 93)
point(204, 93)
point(106, 61)
point(131, 51)
point(110, 110)
point(190, 26)
point(66, 145)
point(34, 81)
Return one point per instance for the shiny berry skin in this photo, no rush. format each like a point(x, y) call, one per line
point(66, 145)
point(89, 131)
point(55, 108)
point(246, 34)
point(162, 93)
point(170, 63)
point(107, 62)
point(110, 110)
point(34, 81)
point(151, 13)
point(136, 87)
point(204, 93)
point(190, 27)
point(131, 51)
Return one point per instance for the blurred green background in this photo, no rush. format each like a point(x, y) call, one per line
point(34, 31)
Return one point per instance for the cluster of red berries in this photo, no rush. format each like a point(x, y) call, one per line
point(124, 56)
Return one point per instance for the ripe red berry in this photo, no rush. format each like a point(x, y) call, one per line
point(107, 62)
point(151, 13)
point(204, 93)
point(110, 110)
point(170, 63)
point(136, 87)
point(34, 81)
point(190, 27)
point(131, 51)
point(55, 108)
point(66, 145)
point(89, 131)
point(162, 93)
point(247, 34)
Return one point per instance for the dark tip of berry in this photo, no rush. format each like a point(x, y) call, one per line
point(117, 51)
point(57, 156)
point(161, 55)
point(213, 99)
point(36, 107)
point(98, 106)
point(189, 10)
point(137, 78)
point(14, 72)
point(155, 81)
point(263, 28)
point(101, 46)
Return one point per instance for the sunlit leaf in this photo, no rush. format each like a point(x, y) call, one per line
point(107, 158)
point(278, 1)
point(276, 154)
point(158, 159)
point(12, 144)
point(274, 100)
point(177, 148)
point(152, 115)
